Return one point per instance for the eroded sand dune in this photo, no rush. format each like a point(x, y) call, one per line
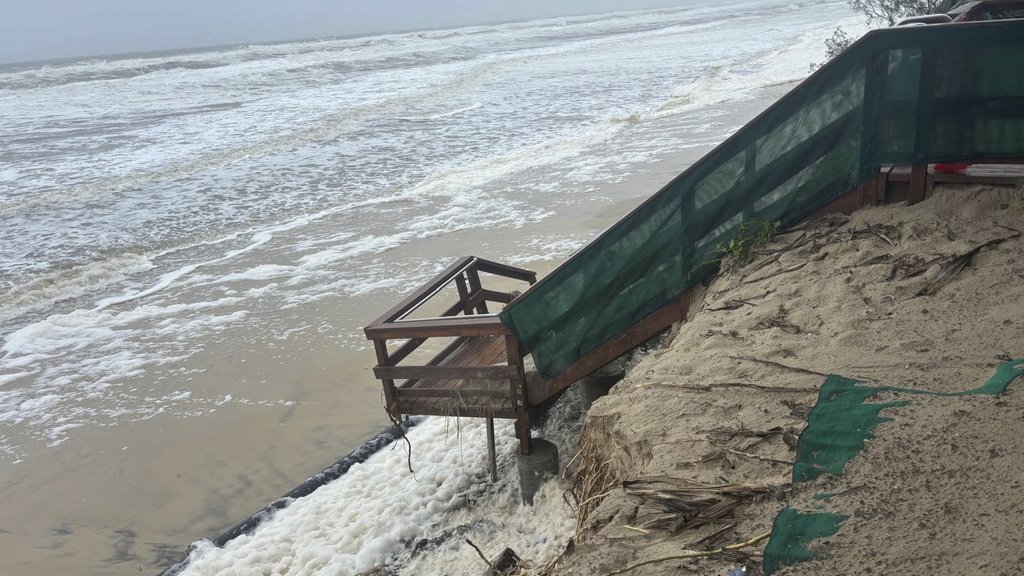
point(876, 297)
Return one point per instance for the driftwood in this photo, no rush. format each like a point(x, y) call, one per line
point(950, 268)
point(779, 365)
point(688, 555)
point(685, 504)
point(762, 458)
point(780, 323)
point(713, 385)
point(731, 305)
point(505, 564)
point(886, 232)
point(781, 271)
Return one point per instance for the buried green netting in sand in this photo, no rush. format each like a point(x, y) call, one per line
point(837, 428)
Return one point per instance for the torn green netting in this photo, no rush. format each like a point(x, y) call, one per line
point(842, 419)
point(792, 531)
point(837, 428)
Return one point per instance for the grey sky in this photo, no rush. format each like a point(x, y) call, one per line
point(42, 29)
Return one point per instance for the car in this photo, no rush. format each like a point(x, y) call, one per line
point(987, 10)
point(972, 11)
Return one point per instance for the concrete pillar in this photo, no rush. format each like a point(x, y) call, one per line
point(600, 382)
point(536, 467)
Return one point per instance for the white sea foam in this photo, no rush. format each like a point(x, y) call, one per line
point(66, 284)
point(441, 115)
point(376, 512)
point(70, 383)
point(733, 81)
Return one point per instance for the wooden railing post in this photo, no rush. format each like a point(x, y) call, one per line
point(749, 170)
point(464, 294)
point(476, 287)
point(491, 453)
point(390, 395)
point(918, 183)
point(872, 103)
point(924, 122)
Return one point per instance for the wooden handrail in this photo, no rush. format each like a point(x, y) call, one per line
point(463, 326)
point(505, 270)
point(421, 295)
point(451, 393)
point(465, 265)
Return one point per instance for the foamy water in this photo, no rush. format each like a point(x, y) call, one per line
point(379, 512)
point(168, 216)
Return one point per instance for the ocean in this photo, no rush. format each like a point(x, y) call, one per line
point(192, 241)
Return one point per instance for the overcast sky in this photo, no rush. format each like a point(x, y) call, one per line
point(42, 29)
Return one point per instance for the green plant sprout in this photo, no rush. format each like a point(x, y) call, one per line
point(743, 248)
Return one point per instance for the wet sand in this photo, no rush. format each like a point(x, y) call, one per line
point(131, 497)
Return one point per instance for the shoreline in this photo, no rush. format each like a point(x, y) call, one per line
point(329, 474)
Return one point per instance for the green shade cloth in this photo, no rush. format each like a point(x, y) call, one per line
point(837, 428)
point(842, 419)
point(899, 95)
point(792, 531)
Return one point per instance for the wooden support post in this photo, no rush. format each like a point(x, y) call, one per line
point(475, 286)
point(517, 389)
point(491, 452)
point(749, 171)
point(464, 293)
point(390, 394)
point(925, 119)
point(881, 190)
point(918, 183)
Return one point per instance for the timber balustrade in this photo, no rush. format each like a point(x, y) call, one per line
point(479, 373)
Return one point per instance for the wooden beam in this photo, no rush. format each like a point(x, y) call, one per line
point(406, 349)
point(475, 288)
point(505, 270)
point(464, 294)
point(517, 388)
point(417, 297)
point(477, 325)
point(455, 393)
point(918, 183)
point(446, 407)
point(444, 372)
point(632, 337)
point(495, 296)
point(390, 396)
point(491, 452)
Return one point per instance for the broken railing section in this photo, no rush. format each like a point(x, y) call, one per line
point(466, 362)
point(478, 372)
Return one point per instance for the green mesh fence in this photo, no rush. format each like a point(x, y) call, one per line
point(899, 95)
